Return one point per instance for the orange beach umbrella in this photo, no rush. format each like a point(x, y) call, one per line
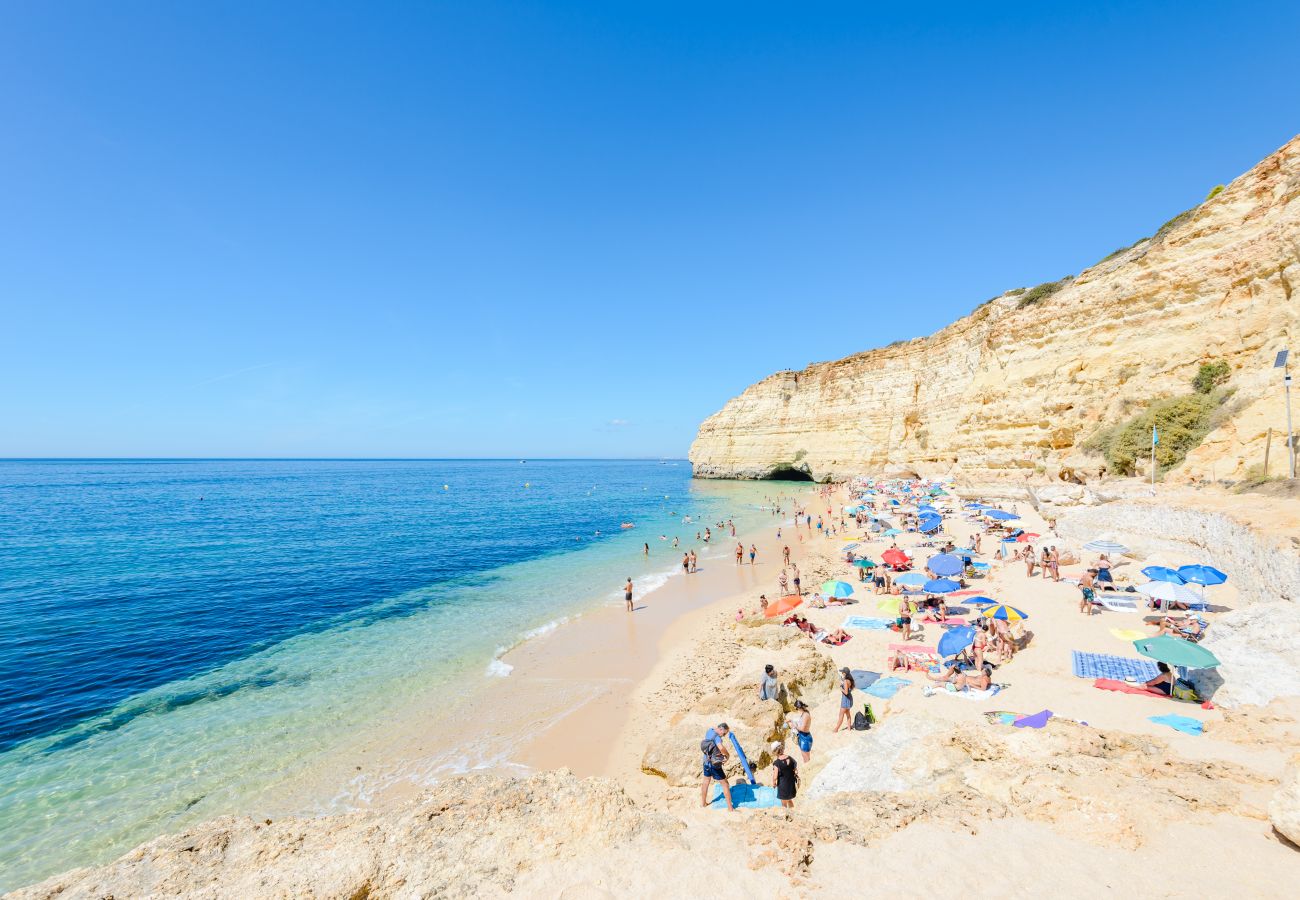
point(783, 606)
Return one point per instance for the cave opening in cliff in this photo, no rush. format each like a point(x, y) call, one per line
point(787, 474)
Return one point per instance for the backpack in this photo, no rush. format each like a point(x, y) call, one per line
point(861, 722)
point(1183, 690)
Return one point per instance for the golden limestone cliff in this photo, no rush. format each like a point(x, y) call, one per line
point(1014, 388)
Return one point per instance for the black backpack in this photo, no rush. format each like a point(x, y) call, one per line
point(865, 719)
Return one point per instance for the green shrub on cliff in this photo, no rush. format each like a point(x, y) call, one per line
point(1210, 375)
point(1182, 423)
point(1042, 292)
point(1214, 192)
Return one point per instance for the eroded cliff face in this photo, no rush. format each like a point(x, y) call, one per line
point(1007, 390)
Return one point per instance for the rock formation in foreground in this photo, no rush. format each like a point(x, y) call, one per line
point(1016, 386)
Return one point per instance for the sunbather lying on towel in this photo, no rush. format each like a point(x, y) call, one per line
point(837, 637)
point(1191, 628)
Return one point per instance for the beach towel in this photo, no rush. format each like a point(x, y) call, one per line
point(964, 693)
point(1002, 717)
point(885, 688)
point(871, 624)
point(1128, 634)
point(864, 679)
point(1110, 684)
point(1185, 724)
point(1037, 720)
point(1101, 665)
point(746, 796)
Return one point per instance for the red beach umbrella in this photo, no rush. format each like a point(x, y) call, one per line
point(894, 557)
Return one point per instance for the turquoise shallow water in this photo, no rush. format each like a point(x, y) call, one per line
point(180, 638)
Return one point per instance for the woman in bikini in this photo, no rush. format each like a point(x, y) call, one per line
point(800, 720)
point(1029, 561)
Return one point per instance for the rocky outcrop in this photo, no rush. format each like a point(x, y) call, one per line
point(470, 837)
point(1284, 808)
point(1015, 387)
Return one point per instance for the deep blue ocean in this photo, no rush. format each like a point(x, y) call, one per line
point(176, 635)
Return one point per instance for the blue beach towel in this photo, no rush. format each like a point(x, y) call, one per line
point(868, 623)
point(746, 796)
point(862, 679)
point(887, 687)
point(1101, 665)
point(1185, 724)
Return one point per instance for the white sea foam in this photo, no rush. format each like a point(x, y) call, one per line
point(498, 669)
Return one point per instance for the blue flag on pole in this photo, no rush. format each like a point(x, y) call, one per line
point(1155, 436)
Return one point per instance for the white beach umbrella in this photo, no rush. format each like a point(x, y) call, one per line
point(1102, 545)
point(1169, 592)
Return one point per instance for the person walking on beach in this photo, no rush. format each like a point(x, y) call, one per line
point(715, 756)
point(627, 594)
point(694, 562)
point(800, 721)
point(686, 563)
point(786, 553)
point(785, 775)
point(1088, 591)
point(847, 684)
point(740, 554)
point(753, 551)
point(1029, 561)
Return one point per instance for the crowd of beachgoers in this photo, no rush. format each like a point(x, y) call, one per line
point(924, 566)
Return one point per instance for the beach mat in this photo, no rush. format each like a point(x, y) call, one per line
point(1037, 720)
point(746, 796)
point(965, 693)
point(1185, 724)
point(1120, 687)
point(867, 623)
point(1102, 665)
point(864, 679)
point(885, 688)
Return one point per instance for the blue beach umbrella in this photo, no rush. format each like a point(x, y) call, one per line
point(910, 578)
point(1162, 573)
point(928, 525)
point(1000, 515)
point(925, 507)
point(941, 586)
point(955, 640)
point(945, 564)
point(981, 601)
point(837, 589)
point(892, 532)
point(1202, 575)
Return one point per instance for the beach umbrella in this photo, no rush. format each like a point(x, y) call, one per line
point(864, 563)
point(941, 586)
point(945, 564)
point(925, 507)
point(895, 557)
point(929, 525)
point(782, 606)
point(1026, 536)
point(1101, 545)
point(892, 532)
point(1162, 573)
point(910, 578)
point(851, 510)
point(1201, 575)
point(1000, 515)
point(955, 640)
point(837, 589)
point(981, 601)
point(1169, 592)
point(1010, 613)
point(1176, 652)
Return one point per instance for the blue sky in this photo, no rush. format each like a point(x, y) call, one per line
point(569, 229)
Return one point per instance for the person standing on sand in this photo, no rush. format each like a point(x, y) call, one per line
point(694, 563)
point(800, 720)
point(1089, 592)
point(786, 553)
point(740, 554)
point(1029, 561)
point(847, 684)
point(715, 756)
point(753, 551)
point(785, 775)
point(797, 589)
point(783, 583)
point(627, 594)
point(686, 563)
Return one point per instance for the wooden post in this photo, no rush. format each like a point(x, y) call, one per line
point(1268, 444)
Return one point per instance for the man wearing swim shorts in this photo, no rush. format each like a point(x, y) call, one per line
point(715, 755)
point(627, 594)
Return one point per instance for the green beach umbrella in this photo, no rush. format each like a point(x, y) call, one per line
point(837, 588)
point(1176, 652)
point(864, 563)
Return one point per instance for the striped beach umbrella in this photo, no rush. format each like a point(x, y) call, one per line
point(1101, 545)
point(1009, 613)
